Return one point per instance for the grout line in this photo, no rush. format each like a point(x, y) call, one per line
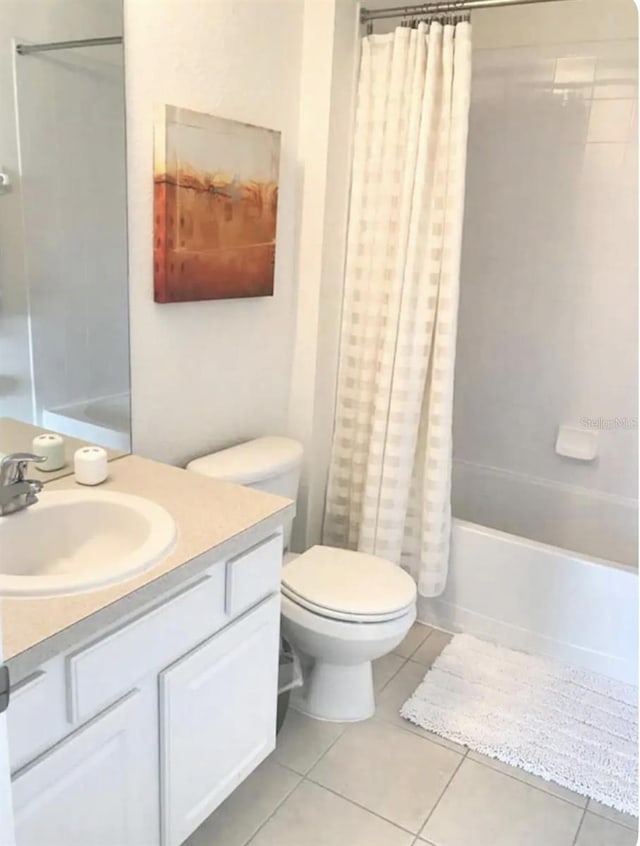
point(426, 667)
point(277, 807)
point(422, 642)
point(632, 824)
point(287, 767)
point(432, 738)
point(528, 783)
point(392, 677)
point(575, 839)
point(446, 787)
point(426, 637)
point(345, 726)
point(358, 805)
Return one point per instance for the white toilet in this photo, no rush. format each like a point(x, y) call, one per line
point(340, 609)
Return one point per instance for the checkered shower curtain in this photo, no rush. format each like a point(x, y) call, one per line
point(390, 473)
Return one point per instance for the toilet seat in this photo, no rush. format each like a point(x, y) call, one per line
point(349, 586)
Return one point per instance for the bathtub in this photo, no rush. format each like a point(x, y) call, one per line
point(540, 599)
point(104, 421)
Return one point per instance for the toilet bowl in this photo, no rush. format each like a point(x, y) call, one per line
point(340, 609)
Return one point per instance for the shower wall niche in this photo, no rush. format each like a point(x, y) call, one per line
point(548, 313)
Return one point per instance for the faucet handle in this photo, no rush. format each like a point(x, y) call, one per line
point(13, 466)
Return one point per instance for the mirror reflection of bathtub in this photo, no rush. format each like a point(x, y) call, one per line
point(104, 420)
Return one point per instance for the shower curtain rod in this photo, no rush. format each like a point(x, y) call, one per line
point(368, 15)
point(25, 49)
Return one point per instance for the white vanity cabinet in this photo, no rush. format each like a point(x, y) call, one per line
point(134, 738)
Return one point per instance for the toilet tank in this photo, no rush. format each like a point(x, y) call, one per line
point(270, 464)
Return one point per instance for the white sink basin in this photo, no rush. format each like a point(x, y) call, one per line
point(75, 541)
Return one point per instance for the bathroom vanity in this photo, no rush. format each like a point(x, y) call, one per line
point(135, 710)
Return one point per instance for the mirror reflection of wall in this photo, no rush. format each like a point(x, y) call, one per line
point(64, 349)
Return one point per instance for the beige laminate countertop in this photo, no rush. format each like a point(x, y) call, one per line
point(210, 515)
point(16, 436)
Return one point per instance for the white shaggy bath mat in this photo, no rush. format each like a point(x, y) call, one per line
point(566, 725)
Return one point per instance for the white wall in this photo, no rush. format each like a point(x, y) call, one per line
point(548, 311)
point(330, 53)
point(208, 374)
point(67, 267)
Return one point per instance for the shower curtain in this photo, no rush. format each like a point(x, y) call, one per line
point(390, 472)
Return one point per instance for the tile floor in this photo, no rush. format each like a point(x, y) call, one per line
point(386, 782)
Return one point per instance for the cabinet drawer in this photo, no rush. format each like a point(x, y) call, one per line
point(110, 666)
point(253, 575)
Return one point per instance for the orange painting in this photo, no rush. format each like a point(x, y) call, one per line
point(215, 207)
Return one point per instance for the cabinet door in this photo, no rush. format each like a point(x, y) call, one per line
point(217, 718)
point(98, 786)
point(6, 815)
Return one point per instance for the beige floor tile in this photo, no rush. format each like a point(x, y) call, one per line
point(416, 636)
point(597, 831)
point(385, 668)
point(248, 807)
point(534, 781)
point(486, 808)
point(312, 816)
point(613, 815)
point(429, 650)
point(396, 693)
point(303, 741)
point(390, 772)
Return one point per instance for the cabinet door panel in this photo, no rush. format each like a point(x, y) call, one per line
point(97, 785)
point(217, 712)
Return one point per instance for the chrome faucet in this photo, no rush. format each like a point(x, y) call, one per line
point(16, 492)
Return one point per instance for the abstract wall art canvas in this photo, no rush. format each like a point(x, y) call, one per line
point(215, 207)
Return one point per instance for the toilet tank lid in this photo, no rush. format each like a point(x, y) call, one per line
point(252, 461)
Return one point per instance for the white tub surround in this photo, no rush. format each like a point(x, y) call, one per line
point(591, 522)
point(548, 325)
point(163, 688)
point(540, 599)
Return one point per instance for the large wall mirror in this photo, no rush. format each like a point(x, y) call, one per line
point(64, 340)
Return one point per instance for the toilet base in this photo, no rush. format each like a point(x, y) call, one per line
point(336, 692)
